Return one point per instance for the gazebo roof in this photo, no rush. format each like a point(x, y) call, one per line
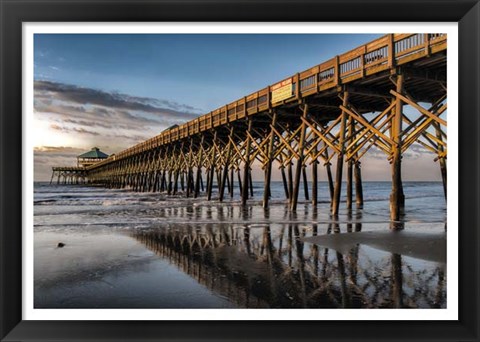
point(94, 153)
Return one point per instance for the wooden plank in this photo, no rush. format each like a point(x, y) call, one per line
point(352, 54)
point(377, 44)
point(420, 108)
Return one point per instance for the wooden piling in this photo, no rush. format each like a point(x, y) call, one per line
point(170, 183)
point(351, 127)
point(397, 198)
point(284, 180)
point(228, 181)
point(211, 172)
point(314, 182)
point(182, 181)
point(338, 176)
point(199, 169)
point(250, 181)
point(294, 199)
point(305, 183)
point(358, 185)
point(175, 185)
point(328, 167)
point(268, 169)
point(232, 171)
point(240, 188)
point(441, 159)
point(210, 181)
point(218, 172)
point(225, 167)
point(290, 181)
point(246, 170)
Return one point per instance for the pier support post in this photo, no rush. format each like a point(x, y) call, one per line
point(338, 176)
point(232, 171)
point(226, 166)
point(163, 181)
point(314, 183)
point(212, 169)
point(240, 188)
point(305, 183)
point(351, 127)
point(294, 199)
point(170, 182)
point(358, 185)
point(189, 169)
point(315, 177)
point(284, 180)
point(290, 180)
point(250, 180)
point(199, 169)
point(246, 169)
point(175, 186)
point(441, 158)
point(328, 166)
point(397, 198)
point(268, 171)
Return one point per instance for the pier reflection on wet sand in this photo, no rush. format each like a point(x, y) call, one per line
point(277, 263)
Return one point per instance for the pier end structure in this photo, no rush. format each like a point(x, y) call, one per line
point(78, 174)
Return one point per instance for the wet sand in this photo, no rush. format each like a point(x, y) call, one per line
point(426, 246)
point(234, 266)
point(132, 250)
point(110, 270)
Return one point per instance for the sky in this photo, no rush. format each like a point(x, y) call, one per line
point(116, 90)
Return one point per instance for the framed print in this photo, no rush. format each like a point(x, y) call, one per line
point(239, 171)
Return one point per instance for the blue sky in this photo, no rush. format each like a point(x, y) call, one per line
point(203, 71)
point(115, 90)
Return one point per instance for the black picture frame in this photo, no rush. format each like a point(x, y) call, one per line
point(14, 12)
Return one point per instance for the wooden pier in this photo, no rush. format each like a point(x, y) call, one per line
point(69, 175)
point(338, 109)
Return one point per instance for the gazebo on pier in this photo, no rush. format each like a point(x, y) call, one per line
point(91, 157)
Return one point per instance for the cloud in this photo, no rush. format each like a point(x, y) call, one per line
point(86, 117)
point(56, 149)
point(120, 120)
point(73, 130)
point(162, 109)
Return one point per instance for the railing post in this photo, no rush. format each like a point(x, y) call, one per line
point(427, 44)
point(391, 51)
point(297, 86)
point(337, 71)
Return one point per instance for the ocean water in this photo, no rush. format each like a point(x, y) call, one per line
point(123, 249)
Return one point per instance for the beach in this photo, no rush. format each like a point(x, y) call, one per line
point(122, 249)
